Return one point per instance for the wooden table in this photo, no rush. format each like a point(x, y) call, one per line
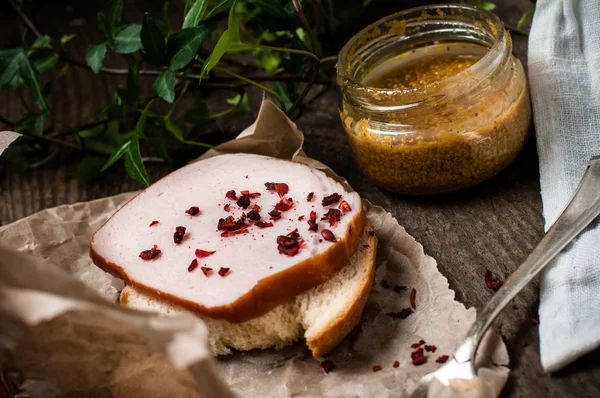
point(490, 227)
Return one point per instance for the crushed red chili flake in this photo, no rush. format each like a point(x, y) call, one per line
point(490, 283)
point(193, 265)
point(327, 366)
point(284, 204)
point(153, 223)
point(193, 211)
point(312, 222)
point(151, 254)
point(413, 296)
point(230, 224)
point(301, 218)
point(178, 235)
point(206, 270)
point(418, 357)
point(377, 368)
point(523, 345)
point(231, 195)
point(535, 320)
point(251, 195)
point(402, 314)
point(371, 233)
point(385, 284)
point(400, 289)
point(396, 364)
point(263, 224)
point(345, 207)
point(331, 199)
point(442, 359)
point(203, 253)
point(227, 207)
point(253, 215)
point(333, 216)
point(290, 244)
point(275, 215)
point(310, 196)
point(280, 187)
point(417, 345)
point(430, 348)
point(243, 201)
point(328, 235)
point(223, 271)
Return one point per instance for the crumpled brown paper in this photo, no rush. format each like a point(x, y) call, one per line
point(67, 341)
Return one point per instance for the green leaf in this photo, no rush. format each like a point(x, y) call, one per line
point(95, 56)
point(10, 64)
point(87, 168)
point(153, 41)
point(183, 45)
point(158, 140)
point(195, 14)
point(128, 40)
point(66, 38)
point(233, 25)
point(187, 6)
point(289, 95)
point(34, 121)
point(221, 8)
point(118, 154)
point(104, 26)
point(134, 166)
point(164, 85)
point(42, 42)
point(45, 64)
point(31, 78)
point(174, 129)
point(230, 36)
point(271, 7)
point(269, 59)
point(243, 102)
point(115, 14)
point(525, 19)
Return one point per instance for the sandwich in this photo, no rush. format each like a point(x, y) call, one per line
point(265, 251)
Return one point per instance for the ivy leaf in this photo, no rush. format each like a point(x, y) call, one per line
point(271, 7)
point(42, 42)
point(230, 36)
point(183, 45)
point(196, 14)
point(10, 64)
point(87, 168)
point(115, 14)
point(269, 59)
point(128, 40)
point(31, 78)
point(95, 56)
point(66, 38)
point(153, 41)
point(45, 64)
point(134, 166)
point(116, 156)
point(164, 85)
point(243, 102)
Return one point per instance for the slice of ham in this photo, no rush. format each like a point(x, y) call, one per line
point(259, 276)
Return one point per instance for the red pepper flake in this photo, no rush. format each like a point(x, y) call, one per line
point(223, 271)
point(523, 345)
point(413, 296)
point(400, 289)
point(327, 366)
point(442, 359)
point(396, 364)
point(430, 348)
point(232, 225)
point(280, 187)
point(256, 208)
point(203, 253)
point(333, 216)
point(290, 244)
point(253, 215)
point(193, 265)
point(178, 235)
point(328, 235)
point(418, 357)
point(193, 211)
point(515, 307)
point(377, 368)
point(227, 207)
point(402, 314)
point(331, 199)
point(417, 345)
point(345, 207)
point(151, 254)
point(312, 222)
point(275, 215)
point(231, 195)
point(251, 195)
point(153, 223)
point(263, 224)
point(243, 201)
point(206, 270)
point(490, 283)
point(385, 284)
point(301, 218)
point(284, 204)
point(371, 233)
point(535, 320)
point(310, 196)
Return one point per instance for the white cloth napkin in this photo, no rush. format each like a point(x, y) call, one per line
point(564, 76)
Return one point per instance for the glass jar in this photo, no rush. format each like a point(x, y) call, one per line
point(433, 99)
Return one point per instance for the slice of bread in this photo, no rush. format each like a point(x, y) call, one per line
point(323, 315)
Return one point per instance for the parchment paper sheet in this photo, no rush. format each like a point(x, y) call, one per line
point(68, 339)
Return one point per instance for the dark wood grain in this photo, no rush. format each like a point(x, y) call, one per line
point(489, 227)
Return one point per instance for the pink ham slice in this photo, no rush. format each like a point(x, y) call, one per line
point(259, 276)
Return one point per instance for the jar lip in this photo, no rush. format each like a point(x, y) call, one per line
point(493, 18)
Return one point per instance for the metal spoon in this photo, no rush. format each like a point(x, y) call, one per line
point(579, 213)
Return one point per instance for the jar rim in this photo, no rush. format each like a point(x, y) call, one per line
point(494, 49)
